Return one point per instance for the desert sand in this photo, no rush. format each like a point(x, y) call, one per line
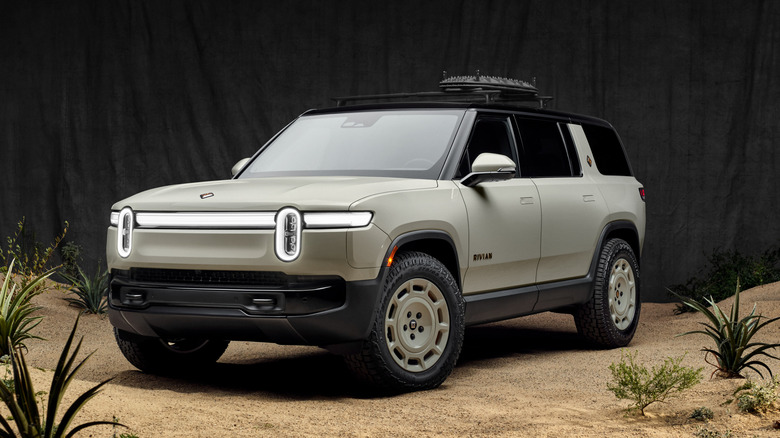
point(529, 376)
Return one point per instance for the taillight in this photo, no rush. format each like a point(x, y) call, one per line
point(642, 193)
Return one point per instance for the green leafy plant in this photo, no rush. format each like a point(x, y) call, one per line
point(91, 292)
point(720, 279)
point(23, 403)
point(756, 398)
point(70, 253)
point(16, 311)
point(633, 381)
point(702, 414)
point(733, 336)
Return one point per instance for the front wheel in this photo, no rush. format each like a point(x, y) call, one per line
point(168, 356)
point(610, 318)
point(418, 328)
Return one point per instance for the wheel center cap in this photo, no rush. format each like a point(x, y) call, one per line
point(413, 325)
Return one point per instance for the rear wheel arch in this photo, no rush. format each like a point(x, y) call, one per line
point(624, 230)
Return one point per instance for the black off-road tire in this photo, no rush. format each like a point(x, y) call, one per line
point(158, 356)
point(610, 318)
point(418, 328)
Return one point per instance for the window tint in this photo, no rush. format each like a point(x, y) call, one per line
point(544, 152)
point(574, 159)
point(490, 135)
point(607, 150)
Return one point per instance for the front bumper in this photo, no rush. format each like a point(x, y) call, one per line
point(249, 306)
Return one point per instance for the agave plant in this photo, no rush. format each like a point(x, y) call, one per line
point(16, 320)
point(90, 291)
point(23, 405)
point(732, 335)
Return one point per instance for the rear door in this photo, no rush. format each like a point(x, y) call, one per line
point(572, 207)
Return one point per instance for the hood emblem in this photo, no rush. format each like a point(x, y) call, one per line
point(206, 195)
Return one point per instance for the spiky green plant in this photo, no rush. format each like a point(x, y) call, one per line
point(16, 311)
point(23, 405)
point(91, 292)
point(733, 336)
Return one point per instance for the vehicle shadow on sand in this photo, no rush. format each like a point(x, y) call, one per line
point(321, 375)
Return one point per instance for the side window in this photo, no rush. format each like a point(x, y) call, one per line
point(491, 135)
point(607, 151)
point(544, 153)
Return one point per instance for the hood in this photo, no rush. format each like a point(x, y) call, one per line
point(269, 194)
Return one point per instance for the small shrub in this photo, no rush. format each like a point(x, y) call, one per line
point(23, 403)
point(70, 253)
point(8, 378)
point(32, 257)
point(702, 414)
point(725, 268)
point(90, 292)
point(703, 432)
point(16, 311)
point(732, 335)
point(633, 381)
point(756, 398)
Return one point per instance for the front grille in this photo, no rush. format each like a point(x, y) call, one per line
point(193, 276)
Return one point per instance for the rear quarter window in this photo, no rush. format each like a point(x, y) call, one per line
point(607, 151)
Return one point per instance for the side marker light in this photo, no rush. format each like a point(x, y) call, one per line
point(392, 254)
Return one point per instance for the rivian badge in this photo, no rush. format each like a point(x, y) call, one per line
point(206, 195)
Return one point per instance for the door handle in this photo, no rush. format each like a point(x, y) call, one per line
point(526, 200)
point(589, 198)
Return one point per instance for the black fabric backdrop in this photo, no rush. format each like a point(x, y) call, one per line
point(100, 100)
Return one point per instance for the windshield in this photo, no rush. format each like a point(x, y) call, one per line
point(407, 144)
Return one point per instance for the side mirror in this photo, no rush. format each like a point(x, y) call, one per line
point(240, 165)
point(489, 167)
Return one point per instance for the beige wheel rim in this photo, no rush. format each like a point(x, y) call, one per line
point(622, 294)
point(417, 325)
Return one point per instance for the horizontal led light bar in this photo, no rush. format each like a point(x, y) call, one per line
point(253, 220)
point(337, 220)
point(205, 220)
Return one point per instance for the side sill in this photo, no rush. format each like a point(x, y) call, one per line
point(511, 303)
point(500, 305)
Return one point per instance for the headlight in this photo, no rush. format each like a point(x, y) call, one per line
point(124, 232)
point(337, 220)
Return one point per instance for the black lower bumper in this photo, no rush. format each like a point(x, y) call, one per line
point(309, 311)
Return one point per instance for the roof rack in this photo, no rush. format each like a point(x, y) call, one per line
point(477, 88)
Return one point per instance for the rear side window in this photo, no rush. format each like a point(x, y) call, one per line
point(544, 152)
point(607, 151)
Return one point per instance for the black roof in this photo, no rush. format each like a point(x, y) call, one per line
point(515, 109)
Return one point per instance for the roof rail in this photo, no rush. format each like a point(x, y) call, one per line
point(477, 88)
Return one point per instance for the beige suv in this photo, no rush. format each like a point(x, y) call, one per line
point(380, 232)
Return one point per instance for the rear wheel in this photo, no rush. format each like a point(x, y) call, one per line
point(166, 356)
point(418, 328)
point(611, 316)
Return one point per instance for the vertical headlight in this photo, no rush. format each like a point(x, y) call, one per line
point(288, 234)
point(124, 232)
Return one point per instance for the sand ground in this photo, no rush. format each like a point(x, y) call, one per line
point(525, 377)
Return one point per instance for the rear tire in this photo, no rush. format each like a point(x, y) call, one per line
point(160, 356)
point(418, 328)
point(610, 318)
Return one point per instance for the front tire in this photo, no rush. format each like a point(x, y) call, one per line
point(610, 318)
point(418, 328)
point(161, 356)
